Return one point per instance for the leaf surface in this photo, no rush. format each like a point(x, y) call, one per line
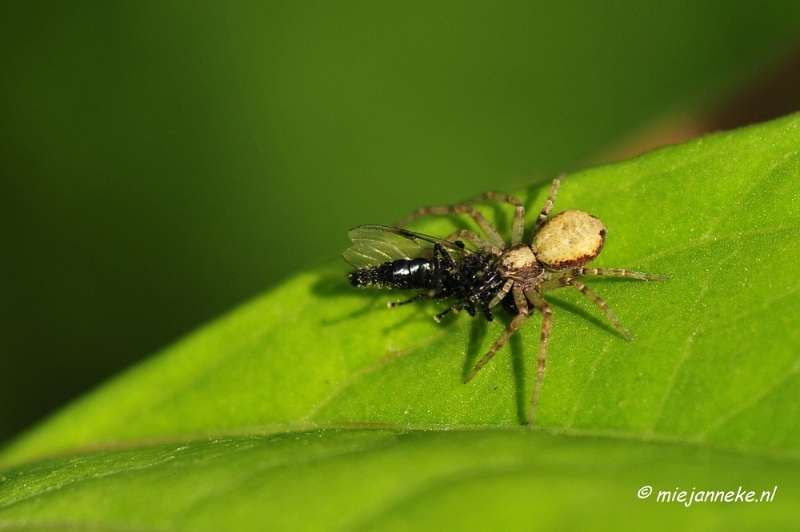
point(397, 480)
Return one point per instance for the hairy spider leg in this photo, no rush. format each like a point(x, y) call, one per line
point(547, 324)
point(597, 300)
point(494, 237)
point(516, 323)
point(551, 198)
point(518, 225)
point(492, 234)
point(618, 272)
point(502, 293)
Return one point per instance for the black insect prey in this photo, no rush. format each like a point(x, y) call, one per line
point(395, 258)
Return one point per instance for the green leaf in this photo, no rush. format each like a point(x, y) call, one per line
point(712, 374)
point(394, 480)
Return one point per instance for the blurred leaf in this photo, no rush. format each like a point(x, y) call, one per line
point(713, 364)
point(396, 480)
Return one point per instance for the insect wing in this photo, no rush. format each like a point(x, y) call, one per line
point(376, 244)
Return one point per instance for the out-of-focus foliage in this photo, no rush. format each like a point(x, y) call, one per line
point(402, 480)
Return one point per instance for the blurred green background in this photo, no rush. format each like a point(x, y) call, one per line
point(162, 162)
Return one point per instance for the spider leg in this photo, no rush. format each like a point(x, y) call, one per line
point(516, 323)
point(594, 298)
point(502, 293)
point(475, 240)
point(619, 272)
point(494, 237)
point(483, 223)
point(551, 198)
point(518, 225)
point(547, 323)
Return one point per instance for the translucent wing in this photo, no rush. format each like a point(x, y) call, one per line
point(376, 244)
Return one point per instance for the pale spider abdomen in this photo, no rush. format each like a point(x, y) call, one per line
point(569, 239)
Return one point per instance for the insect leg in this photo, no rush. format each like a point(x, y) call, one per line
point(547, 323)
point(551, 198)
point(440, 255)
point(420, 297)
point(443, 261)
point(522, 307)
point(594, 298)
point(455, 307)
point(619, 272)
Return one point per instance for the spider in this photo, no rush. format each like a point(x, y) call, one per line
point(560, 249)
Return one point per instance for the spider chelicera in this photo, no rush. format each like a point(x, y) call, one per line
point(515, 274)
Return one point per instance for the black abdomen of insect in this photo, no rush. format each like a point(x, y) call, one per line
point(403, 274)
